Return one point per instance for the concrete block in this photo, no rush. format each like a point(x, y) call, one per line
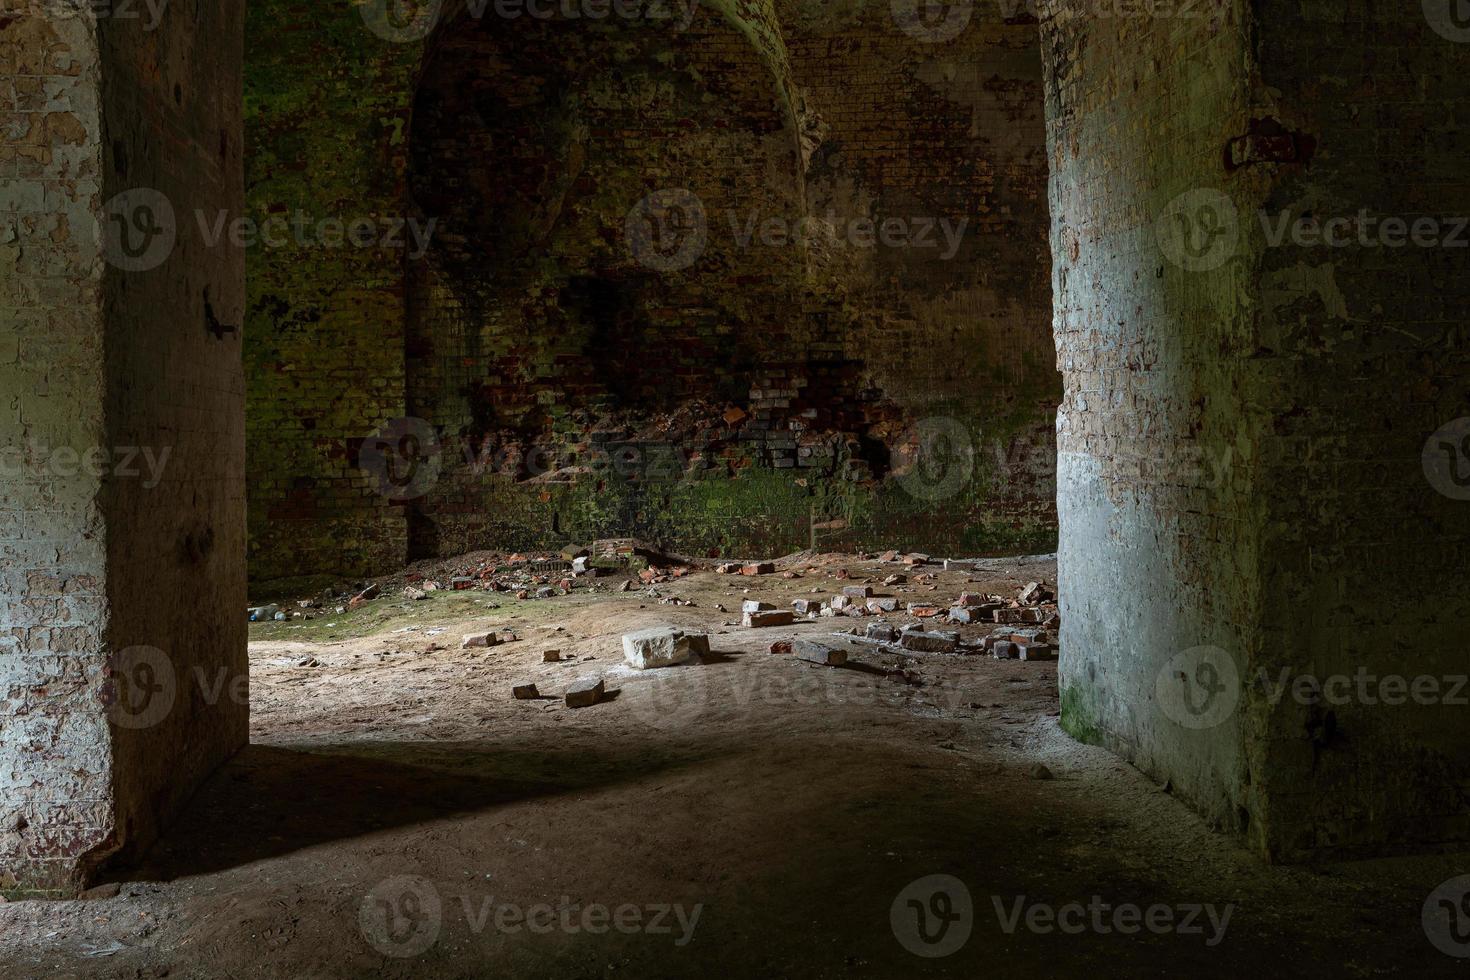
point(662, 646)
point(818, 652)
point(777, 617)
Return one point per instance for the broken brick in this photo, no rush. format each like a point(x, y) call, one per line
point(585, 692)
point(774, 617)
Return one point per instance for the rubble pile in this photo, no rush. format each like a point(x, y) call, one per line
point(908, 614)
point(523, 576)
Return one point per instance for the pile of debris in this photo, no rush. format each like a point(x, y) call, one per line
point(1035, 604)
point(541, 575)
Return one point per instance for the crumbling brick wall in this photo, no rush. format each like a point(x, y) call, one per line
point(55, 748)
point(121, 483)
point(835, 368)
point(1157, 546)
point(327, 106)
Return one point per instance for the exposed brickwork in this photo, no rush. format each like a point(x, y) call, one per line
point(175, 531)
point(327, 112)
point(55, 750)
point(899, 127)
point(532, 334)
point(101, 553)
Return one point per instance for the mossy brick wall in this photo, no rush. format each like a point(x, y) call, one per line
point(327, 107)
point(530, 333)
point(909, 123)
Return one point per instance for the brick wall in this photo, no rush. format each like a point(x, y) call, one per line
point(917, 123)
point(1159, 551)
point(327, 105)
point(176, 530)
point(529, 333)
point(55, 748)
point(1242, 497)
point(121, 492)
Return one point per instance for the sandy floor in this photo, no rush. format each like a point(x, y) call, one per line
point(400, 815)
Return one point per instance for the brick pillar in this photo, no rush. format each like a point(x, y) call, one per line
point(122, 648)
point(1247, 524)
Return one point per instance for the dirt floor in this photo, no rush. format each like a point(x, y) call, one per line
point(399, 814)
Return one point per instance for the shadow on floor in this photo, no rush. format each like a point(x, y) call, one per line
point(271, 801)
